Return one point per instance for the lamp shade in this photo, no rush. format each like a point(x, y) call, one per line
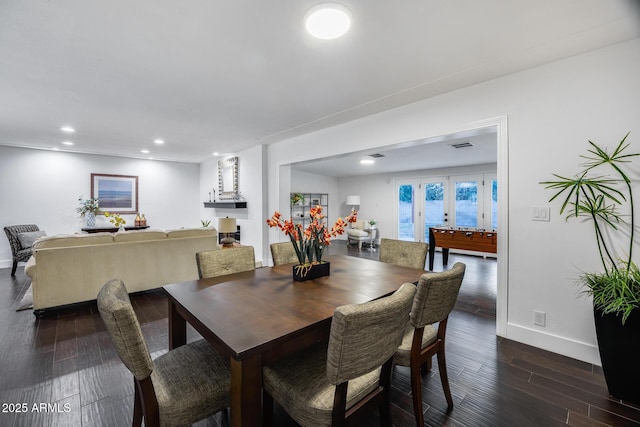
point(227, 225)
point(353, 200)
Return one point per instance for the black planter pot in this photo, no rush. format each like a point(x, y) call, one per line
point(619, 347)
point(313, 271)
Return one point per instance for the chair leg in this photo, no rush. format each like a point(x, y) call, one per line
point(137, 407)
point(385, 404)
point(267, 409)
point(442, 366)
point(13, 269)
point(416, 392)
point(426, 367)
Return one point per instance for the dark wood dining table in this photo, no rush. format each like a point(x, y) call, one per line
point(257, 317)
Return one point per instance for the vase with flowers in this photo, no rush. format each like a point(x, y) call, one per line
point(310, 243)
point(88, 209)
point(116, 220)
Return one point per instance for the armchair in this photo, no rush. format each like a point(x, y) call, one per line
point(360, 231)
point(21, 245)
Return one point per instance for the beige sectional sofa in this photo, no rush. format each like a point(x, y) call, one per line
point(72, 268)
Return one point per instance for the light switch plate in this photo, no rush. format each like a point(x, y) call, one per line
point(540, 213)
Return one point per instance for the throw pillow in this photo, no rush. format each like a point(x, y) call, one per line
point(26, 239)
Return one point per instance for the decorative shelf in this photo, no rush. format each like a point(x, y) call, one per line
point(231, 204)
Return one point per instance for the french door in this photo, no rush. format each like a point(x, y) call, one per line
point(461, 201)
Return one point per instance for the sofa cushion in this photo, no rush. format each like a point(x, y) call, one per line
point(139, 236)
point(27, 238)
point(64, 241)
point(192, 232)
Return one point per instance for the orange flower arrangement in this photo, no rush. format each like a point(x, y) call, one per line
point(310, 243)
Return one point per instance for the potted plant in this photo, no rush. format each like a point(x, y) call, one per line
point(116, 220)
point(297, 199)
point(88, 209)
point(616, 289)
point(310, 243)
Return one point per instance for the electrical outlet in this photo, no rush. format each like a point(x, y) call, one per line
point(539, 318)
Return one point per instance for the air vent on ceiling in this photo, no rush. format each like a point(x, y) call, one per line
point(462, 144)
point(377, 155)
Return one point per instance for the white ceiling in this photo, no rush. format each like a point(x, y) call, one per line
point(220, 75)
point(423, 154)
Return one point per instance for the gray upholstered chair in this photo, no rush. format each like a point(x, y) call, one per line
point(434, 300)
point(406, 254)
point(21, 238)
point(185, 385)
point(225, 261)
point(325, 386)
point(283, 253)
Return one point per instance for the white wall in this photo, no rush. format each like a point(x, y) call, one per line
point(252, 183)
point(42, 187)
point(552, 110)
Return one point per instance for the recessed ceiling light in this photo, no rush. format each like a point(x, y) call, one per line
point(367, 161)
point(67, 129)
point(67, 143)
point(327, 20)
point(158, 141)
point(145, 151)
point(215, 153)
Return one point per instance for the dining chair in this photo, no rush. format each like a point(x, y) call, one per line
point(185, 385)
point(326, 386)
point(404, 253)
point(21, 238)
point(435, 297)
point(225, 261)
point(283, 253)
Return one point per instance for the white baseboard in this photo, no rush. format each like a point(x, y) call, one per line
point(557, 344)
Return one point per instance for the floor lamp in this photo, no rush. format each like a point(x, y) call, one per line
point(353, 201)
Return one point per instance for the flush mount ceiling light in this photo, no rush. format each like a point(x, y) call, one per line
point(158, 141)
point(67, 143)
point(367, 161)
point(327, 20)
point(67, 129)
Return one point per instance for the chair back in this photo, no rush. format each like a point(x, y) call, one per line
point(283, 253)
point(364, 336)
point(436, 295)
point(122, 324)
point(406, 254)
point(225, 261)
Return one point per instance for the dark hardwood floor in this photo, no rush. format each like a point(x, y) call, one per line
point(62, 370)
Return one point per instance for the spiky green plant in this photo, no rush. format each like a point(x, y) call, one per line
point(598, 198)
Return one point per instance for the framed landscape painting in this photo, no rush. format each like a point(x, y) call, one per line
point(115, 193)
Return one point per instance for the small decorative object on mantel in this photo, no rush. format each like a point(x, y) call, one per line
point(116, 220)
point(311, 242)
point(88, 210)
